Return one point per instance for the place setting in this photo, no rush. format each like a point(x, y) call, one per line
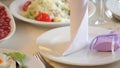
point(76, 43)
point(69, 45)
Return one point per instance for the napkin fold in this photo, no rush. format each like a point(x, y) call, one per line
point(79, 26)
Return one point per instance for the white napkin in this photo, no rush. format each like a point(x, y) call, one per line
point(58, 43)
point(79, 25)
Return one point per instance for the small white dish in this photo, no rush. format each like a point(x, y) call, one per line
point(15, 9)
point(50, 45)
point(91, 9)
point(12, 24)
point(114, 7)
point(30, 61)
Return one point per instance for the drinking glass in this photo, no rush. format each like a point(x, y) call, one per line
point(101, 18)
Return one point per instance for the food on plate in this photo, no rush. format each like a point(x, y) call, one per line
point(18, 56)
point(6, 61)
point(5, 27)
point(46, 10)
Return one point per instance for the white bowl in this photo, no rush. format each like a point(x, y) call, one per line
point(15, 9)
point(12, 23)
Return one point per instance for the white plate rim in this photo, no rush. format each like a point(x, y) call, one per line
point(76, 64)
point(53, 58)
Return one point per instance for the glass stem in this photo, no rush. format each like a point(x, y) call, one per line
point(101, 10)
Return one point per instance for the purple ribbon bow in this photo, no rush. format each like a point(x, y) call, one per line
point(106, 42)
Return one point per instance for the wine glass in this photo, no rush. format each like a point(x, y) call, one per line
point(101, 18)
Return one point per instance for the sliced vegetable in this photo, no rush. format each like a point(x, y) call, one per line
point(5, 20)
point(44, 17)
point(26, 5)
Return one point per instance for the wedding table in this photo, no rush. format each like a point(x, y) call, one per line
point(26, 34)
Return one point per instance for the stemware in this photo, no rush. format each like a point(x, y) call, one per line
point(101, 18)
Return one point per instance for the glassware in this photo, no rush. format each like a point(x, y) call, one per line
point(101, 18)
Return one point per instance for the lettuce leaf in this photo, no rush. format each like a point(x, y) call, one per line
point(20, 57)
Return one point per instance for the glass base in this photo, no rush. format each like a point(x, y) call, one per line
point(100, 22)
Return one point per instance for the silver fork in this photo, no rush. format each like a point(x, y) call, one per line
point(38, 56)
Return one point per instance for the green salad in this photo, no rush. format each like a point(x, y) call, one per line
point(20, 57)
point(46, 10)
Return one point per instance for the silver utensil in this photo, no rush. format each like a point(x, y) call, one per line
point(41, 58)
point(18, 63)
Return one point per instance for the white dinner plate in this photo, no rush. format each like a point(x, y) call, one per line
point(15, 9)
point(30, 61)
point(91, 9)
point(50, 47)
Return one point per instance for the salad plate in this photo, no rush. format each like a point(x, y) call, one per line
point(15, 9)
point(29, 61)
point(52, 43)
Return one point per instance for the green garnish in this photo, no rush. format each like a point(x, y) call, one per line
point(24, 66)
point(20, 57)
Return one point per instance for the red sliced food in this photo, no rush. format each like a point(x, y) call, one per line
point(5, 20)
point(44, 17)
point(2, 8)
point(25, 6)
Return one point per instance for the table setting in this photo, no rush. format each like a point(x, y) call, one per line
point(58, 34)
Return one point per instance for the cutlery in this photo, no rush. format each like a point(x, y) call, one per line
point(38, 56)
point(18, 63)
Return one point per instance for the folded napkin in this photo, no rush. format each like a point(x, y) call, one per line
point(79, 26)
point(63, 44)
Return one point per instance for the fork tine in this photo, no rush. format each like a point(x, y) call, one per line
point(39, 57)
point(36, 56)
point(42, 57)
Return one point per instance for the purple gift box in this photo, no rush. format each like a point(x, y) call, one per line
point(104, 43)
